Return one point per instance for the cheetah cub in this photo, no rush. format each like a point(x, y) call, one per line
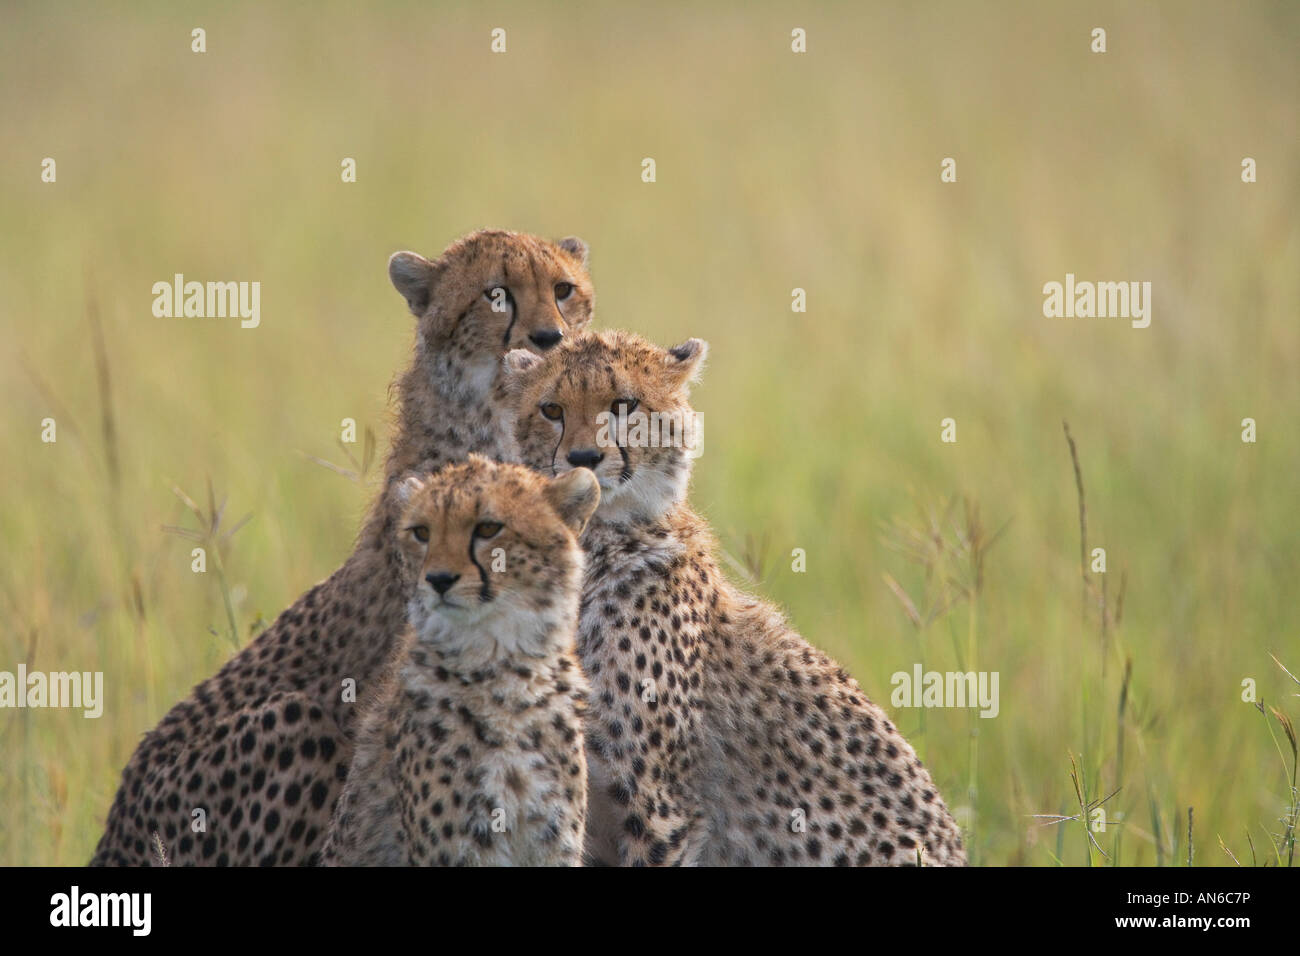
point(473, 754)
point(716, 735)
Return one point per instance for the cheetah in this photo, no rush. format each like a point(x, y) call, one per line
point(716, 735)
point(473, 753)
point(259, 751)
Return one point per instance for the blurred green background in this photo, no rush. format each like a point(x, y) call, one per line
point(775, 171)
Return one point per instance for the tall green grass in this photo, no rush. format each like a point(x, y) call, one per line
point(775, 171)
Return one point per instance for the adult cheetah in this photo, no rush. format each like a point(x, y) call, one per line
point(262, 747)
point(715, 734)
point(472, 754)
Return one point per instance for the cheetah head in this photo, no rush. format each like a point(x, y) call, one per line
point(613, 403)
point(493, 291)
point(492, 549)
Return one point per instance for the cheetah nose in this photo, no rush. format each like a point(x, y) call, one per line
point(585, 458)
point(545, 338)
point(442, 581)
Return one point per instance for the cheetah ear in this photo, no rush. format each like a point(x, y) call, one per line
point(685, 362)
point(412, 275)
point(515, 365)
point(574, 247)
point(574, 496)
point(406, 488)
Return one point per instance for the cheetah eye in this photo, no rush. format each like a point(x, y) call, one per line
point(563, 290)
point(551, 411)
point(624, 406)
point(487, 529)
point(421, 533)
